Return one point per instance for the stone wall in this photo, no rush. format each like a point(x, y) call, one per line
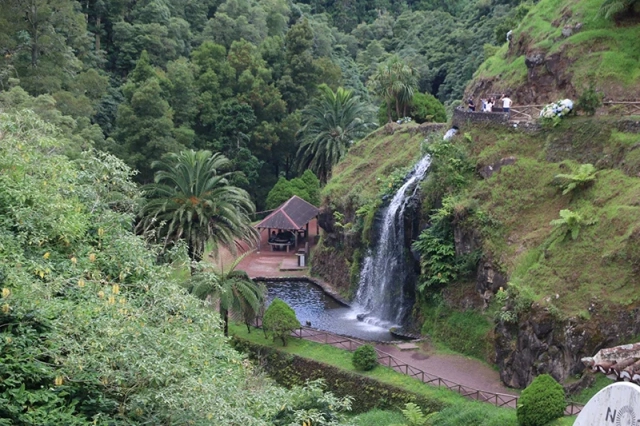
point(463, 116)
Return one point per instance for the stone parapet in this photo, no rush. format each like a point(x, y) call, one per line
point(462, 116)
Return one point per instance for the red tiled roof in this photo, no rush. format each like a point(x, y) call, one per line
point(294, 214)
point(618, 363)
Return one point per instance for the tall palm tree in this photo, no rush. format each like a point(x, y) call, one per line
point(331, 123)
point(394, 82)
point(233, 290)
point(192, 200)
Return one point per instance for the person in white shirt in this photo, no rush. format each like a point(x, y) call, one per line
point(506, 104)
point(490, 103)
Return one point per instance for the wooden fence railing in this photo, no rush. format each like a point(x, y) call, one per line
point(388, 360)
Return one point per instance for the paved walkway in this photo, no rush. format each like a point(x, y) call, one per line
point(262, 262)
point(466, 371)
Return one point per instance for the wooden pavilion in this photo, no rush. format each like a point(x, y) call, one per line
point(293, 216)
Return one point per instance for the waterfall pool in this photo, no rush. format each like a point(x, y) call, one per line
point(312, 304)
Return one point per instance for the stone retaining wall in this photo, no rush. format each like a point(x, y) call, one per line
point(463, 116)
point(326, 287)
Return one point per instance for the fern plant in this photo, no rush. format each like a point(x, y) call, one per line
point(612, 8)
point(579, 178)
point(414, 416)
point(570, 223)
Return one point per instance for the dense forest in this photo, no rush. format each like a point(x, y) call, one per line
point(140, 79)
point(139, 136)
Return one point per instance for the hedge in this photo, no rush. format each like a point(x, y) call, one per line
point(292, 370)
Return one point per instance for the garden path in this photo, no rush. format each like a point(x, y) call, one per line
point(464, 370)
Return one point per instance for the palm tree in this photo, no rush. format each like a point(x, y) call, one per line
point(394, 82)
point(331, 123)
point(192, 200)
point(233, 290)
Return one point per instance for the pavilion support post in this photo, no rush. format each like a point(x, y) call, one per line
point(295, 236)
point(306, 231)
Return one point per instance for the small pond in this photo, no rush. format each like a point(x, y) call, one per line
point(322, 311)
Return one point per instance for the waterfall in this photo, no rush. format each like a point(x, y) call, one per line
point(381, 294)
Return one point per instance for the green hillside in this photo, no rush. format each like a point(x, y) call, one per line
point(601, 264)
point(592, 50)
point(365, 170)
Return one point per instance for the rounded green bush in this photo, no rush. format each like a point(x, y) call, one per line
point(280, 320)
point(365, 358)
point(541, 402)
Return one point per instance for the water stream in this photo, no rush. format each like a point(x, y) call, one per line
point(381, 296)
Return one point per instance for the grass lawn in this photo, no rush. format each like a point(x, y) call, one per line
point(342, 359)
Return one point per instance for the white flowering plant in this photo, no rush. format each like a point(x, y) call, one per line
point(555, 111)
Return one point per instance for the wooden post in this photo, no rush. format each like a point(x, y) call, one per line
point(295, 236)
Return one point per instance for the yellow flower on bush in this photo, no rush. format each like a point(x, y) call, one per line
point(80, 283)
point(6, 293)
point(74, 260)
point(101, 294)
point(115, 289)
point(92, 257)
point(58, 381)
point(112, 300)
point(46, 255)
point(6, 308)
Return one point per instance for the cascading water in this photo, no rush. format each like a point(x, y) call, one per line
point(381, 294)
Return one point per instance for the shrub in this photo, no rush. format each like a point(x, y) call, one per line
point(541, 402)
point(426, 107)
point(306, 187)
point(280, 320)
point(552, 113)
point(282, 191)
point(312, 185)
point(589, 101)
point(365, 358)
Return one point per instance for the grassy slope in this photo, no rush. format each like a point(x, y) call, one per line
point(602, 52)
point(372, 159)
point(597, 266)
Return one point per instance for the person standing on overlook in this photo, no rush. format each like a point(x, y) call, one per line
point(472, 106)
point(506, 104)
point(490, 103)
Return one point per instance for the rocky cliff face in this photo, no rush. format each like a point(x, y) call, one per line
point(540, 343)
point(338, 259)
